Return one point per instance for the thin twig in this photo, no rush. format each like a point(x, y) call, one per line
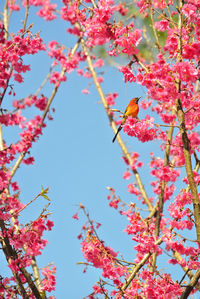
point(5, 19)
point(153, 26)
point(26, 15)
point(185, 139)
point(11, 254)
point(1, 139)
point(44, 82)
point(168, 126)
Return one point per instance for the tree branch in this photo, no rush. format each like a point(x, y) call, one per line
point(160, 204)
point(5, 19)
point(26, 15)
point(11, 254)
point(185, 139)
point(191, 285)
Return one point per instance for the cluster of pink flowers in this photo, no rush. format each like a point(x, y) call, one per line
point(141, 129)
point(49, 282)
point(103, 257)
point(12, 51)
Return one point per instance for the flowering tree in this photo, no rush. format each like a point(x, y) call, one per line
point(159, 223)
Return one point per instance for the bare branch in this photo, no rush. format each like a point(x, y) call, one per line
point(26, 15)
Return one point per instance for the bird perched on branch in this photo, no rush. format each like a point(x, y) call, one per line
point(131, 110)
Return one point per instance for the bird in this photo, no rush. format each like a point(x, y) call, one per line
point(131, 110)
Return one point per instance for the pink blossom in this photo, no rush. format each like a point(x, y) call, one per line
point(56, 78)
point(128, 74)
point(13, 6)
point(15, 186)
point(98, 63)
point(185, 71)
point(172, 261)
point(74, 31)
point(145, 104)
point(127, 175)
point(49, 224)
point(189, 11)
point(127, 39)
point(171, 42)
point(86, 91)
point(47, 11)
point(4, 179)
point(133, 190)
point(162, 25)
point(100, 79)
point(18, 78)
point(75, 216)
point(98, 29)
point(41, 103)
point(111, 98)
point(140, 129)
point(114, 203)
point(162, 172)
point(122, 9)
point(28, 161)
point(79, 72)
point(102, 257)
point(49, 282)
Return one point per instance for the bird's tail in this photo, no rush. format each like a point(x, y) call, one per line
point(118, 130)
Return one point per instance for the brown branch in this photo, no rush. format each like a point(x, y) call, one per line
point(26, 15)
point(36, 274)
point(191, 285)
point(6, 87)
point(44, 82)
point(30, 202)
point(185, 139)
point(51, 98)
point(5, 19)
point(11, 254)
point(139, 266)
point(188, 272)
point(160, 203)
point(1, 139)
point(188, 163)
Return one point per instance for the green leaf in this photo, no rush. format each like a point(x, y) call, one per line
point(44, 192)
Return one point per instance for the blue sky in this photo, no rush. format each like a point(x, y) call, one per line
point(76, 159)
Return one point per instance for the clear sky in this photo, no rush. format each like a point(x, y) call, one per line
point(76, 159)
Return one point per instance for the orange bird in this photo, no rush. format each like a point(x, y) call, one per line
point(131, 110)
